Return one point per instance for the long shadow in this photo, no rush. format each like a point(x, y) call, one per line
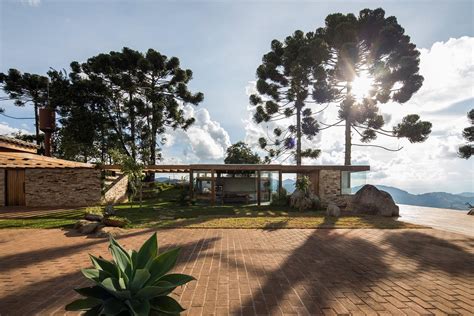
point(433, 253)
point(53, 293)
point(325, 264)
point(20, 260)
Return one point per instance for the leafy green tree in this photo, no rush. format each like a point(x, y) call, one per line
point(467, 150)
point(134, 171)
point(139, 96)
point(24, 89)
point(240, 153)
point(371, 61)
point(284, 84)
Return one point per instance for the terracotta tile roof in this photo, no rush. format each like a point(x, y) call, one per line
point(28, 160)
point(16, 142)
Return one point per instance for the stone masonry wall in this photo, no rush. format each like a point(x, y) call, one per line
point(117, 192)
point(2, 187)
point(62, 187)
point(330, 188)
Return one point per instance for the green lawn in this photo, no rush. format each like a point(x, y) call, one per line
point(165, 212)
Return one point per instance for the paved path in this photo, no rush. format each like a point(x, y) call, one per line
point(440, 218)
point(249, 272)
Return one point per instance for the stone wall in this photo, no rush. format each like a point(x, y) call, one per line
point(2, 187)
point(329, 185)
point(117, 191)
point(62, 187)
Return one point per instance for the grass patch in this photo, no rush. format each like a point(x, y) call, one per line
point(164, 211)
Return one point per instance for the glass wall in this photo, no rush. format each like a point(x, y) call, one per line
point(351, 182)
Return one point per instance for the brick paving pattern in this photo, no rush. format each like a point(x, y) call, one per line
point(261, 272)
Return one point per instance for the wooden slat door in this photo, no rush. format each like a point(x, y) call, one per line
point(15, 187)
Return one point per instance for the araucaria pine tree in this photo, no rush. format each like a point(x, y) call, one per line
point(284, 91)
point(467, 150)
point(371, 61)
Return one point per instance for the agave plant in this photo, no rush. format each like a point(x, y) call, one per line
point(133, 283)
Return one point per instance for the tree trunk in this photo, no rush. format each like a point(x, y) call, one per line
point(348, 144)
point(298, 132)
point(37, 125)
point(132, 126)
point(348, 135)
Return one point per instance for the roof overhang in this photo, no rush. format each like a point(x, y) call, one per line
point(223, 168)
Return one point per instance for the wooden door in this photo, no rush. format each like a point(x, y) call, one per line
point(15, 185)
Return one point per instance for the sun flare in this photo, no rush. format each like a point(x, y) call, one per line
point(361, 86)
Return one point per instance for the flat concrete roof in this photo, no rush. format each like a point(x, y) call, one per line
point(243, 167)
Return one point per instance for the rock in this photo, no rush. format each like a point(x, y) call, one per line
point(94, 217)
point(333, 210)
point(80, 223)
point(105, 232)
point(370, 200)
point(114, 222)
point(87, 227)
point(303, 201)
point(471, 211)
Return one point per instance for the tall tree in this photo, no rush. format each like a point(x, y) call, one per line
point(240, 153)
point(467, 150)
point(284, 85)
point(26, 88)
point(370, 62)
point(138, 95)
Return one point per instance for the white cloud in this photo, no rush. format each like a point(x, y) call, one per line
point(204, 142)
point(448, 69)
point(6, 129)
point(32, 3)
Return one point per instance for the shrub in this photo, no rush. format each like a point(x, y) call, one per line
point(280, 199)
point(133, 283)
point(303, 184)
point(96, 210)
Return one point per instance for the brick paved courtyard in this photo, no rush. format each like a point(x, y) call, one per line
point(292, 271)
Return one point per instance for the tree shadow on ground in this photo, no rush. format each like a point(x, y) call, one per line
point(314, 274)
point(433, 253)
point(276, 225)
point(50, 293)
point(24, 259)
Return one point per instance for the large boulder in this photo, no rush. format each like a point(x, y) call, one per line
point(370, 200)
point(303, 201)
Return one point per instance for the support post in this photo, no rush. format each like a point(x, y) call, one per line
point(280, 183)
point(213, 188)
point(191, 184)
point(259, 194)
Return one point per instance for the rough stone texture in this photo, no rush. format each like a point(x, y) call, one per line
point(257, 272)
point(62, 187)
point(303, 201)
point(333, 210)
point(94, 217)
point(117, 192)
point(2, 187)
point(329, 185)
point(370, 200)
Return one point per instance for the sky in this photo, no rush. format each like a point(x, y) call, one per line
point(223, 43)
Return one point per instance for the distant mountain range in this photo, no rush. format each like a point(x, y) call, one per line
point(432, 199)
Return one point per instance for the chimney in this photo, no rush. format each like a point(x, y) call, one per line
point(47, 125)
